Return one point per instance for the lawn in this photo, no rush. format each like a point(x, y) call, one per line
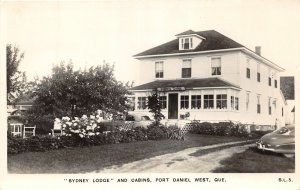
point(88, 159)
point(256, 161)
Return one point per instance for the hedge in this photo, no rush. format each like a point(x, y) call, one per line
point(45, 143)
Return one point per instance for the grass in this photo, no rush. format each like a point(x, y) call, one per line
point(256, 161)
point(88, 159)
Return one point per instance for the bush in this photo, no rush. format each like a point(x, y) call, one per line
point(219, 129)
point(45, 143)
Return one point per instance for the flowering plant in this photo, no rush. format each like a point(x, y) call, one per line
point(83, 127)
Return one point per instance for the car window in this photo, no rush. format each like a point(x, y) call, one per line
point(145, 118)
point(130, 118)
point(282, 131)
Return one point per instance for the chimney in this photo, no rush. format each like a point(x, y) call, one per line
point(258, 50)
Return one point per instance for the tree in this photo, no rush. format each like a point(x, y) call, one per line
point(154, 106)
point(73, 93)
point(15, 78)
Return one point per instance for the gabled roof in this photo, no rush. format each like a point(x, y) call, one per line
point(186, 83)
point(186, 33)
point(287, 87)
point(213, 41)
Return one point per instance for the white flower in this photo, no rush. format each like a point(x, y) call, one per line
point(75, 124)
point(92, 117)
point(97, 133)
point(88, 127)
point(81, 135)
point(64, 125)
point(69, 123)
point(91, 134)
point(94, 126)
point(84, 117)
point(57, 120)
point(76, 118)
point(76, 131)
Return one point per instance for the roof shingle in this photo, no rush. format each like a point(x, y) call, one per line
point(187, 83)
point(213, 41)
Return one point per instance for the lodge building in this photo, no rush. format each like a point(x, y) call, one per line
point(212, 78)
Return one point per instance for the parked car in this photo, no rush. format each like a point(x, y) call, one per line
point(281, 140)
point(138, 120)
point(130, 120)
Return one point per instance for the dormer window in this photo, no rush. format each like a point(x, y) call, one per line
point(186, 43)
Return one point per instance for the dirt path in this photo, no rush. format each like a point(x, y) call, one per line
point(193, 160)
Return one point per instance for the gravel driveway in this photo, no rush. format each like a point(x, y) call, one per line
point(193, 160)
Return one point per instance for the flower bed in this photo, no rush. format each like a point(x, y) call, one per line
point(90, 131)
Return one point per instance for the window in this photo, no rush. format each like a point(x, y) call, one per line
point(269, 105)
point(142, 103)
point(248, 73)
point(270, 81)
point(258, 104)
point(209, 101)
point(163, 102)
point(248, 68)
point(275, 83)
point(247, 100)
point(159, 69)
point(184, 102)
point(131, 101)
point(186, 68)
point(186, 43)
point(221, 101)
point(236, 103)
point(196, 101)
point(258, 72)
point(282, 111)
point(216, 66)
point(232, 102)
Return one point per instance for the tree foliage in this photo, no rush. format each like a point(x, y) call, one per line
point(73, 93)
point(15, 78)
point(154, 106)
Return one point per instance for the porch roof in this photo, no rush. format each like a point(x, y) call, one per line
point(186, 83)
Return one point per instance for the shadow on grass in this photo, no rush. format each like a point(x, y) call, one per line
point(210, 150)
point(255, 161)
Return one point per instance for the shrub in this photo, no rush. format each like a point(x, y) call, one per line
point(220, 129)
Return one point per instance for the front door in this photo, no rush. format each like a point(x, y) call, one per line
point(173, 106)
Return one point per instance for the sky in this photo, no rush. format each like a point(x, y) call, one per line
point(90, 32)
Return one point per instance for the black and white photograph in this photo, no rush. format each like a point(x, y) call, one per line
point(138, 93)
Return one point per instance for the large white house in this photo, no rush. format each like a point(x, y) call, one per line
point(211, 77)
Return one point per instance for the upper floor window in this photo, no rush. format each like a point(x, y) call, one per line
point(186, 43)
point(186, 68)
point(270, 81)
point(248, 69)
point(275, 83)
point(216, 66)
point(248, 73)
point(258, 72)
point(159, 69)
